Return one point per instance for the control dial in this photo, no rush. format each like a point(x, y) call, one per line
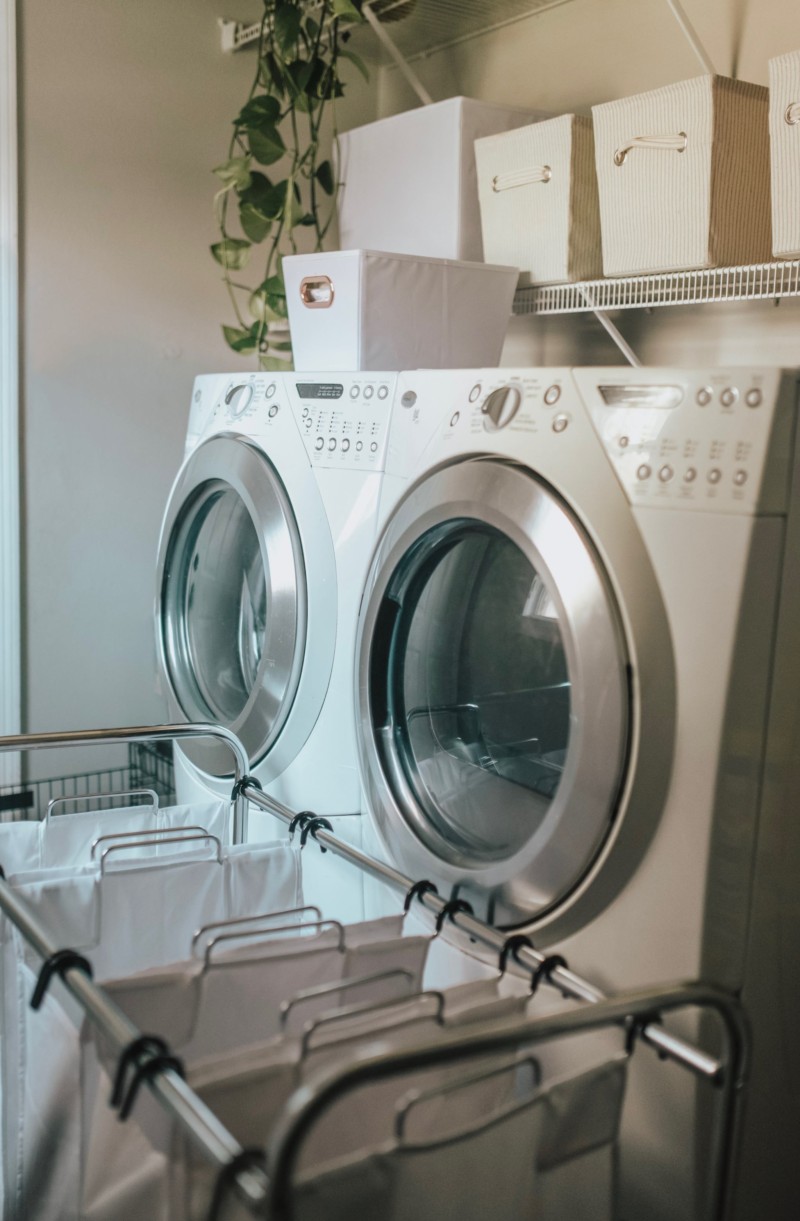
point(500, 407)
point(238, 399)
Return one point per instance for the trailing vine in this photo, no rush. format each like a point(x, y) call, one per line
point(296, 84)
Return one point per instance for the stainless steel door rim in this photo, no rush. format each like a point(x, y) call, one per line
point(528, 873)
point(232, 600)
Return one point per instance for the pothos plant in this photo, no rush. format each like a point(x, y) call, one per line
point(296, 84)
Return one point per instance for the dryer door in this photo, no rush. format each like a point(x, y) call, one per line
point(232, 605)
point(493, 688)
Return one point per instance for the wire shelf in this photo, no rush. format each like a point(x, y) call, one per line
point(420, 27)
point(149, 766)
point(756, 282)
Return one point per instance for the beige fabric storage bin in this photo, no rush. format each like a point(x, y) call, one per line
point(784, 139)
point(683, 174)
point(537, 188)
point(368, 309)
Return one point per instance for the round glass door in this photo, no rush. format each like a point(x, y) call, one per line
point(479, 691)
point(493, 688)
point(232, 597)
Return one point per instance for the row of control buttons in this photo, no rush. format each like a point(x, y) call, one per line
point(343, 445)
point(551, 395)
point(355, 391)
point(666, 474)
point(729, 396)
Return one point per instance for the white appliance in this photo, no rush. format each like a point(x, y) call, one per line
point(264, 547)
point(579, 659)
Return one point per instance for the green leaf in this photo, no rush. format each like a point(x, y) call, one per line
point(346, 10)
point(268, 199)
point(357, 60)
point(266, 145)
point(244, 342)
point(235, 173)
point(307, 219)
point(287, 26)
point(231, 253)
point(253, 221)
point(273, 365)
point(324, 177)
point(312, 29)
point(262, 111)
point(280, 345)
point(274, 286)
point(271, 73)
point(292, 208)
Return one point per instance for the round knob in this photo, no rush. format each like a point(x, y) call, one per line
point(500, 407)
point(238, 399)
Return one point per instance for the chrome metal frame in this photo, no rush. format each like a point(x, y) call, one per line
point(378, 1061)
point(150, 733)
point(529, 959)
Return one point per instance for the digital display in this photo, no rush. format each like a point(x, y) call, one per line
point(320, 390)
point(641, 396)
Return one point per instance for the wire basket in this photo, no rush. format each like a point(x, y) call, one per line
point(149, 766)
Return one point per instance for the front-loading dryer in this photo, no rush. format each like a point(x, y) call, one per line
point(264, 546)
point(578, 659)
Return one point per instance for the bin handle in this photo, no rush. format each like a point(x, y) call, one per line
point(792, 114)
point(674, 144)
point(317, 292)
point(521, 178)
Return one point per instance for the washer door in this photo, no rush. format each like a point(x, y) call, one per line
point(232, 602)
point(493, 688)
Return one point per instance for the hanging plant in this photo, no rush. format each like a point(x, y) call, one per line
point(295, 87)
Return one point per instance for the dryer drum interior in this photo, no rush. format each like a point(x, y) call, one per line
point(498, 709)
point(232, 598)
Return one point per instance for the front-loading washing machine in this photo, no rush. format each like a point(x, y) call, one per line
point(578, 665)
point(264, 546)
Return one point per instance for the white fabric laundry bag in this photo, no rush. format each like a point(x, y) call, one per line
point(225, 1004)
point(62, 841)
point(548, 1157)
point(132, 916)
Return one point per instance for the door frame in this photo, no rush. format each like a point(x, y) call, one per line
point(10, 618)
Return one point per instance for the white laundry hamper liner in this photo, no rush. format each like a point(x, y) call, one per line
point(369, 309)
point(537, 188)
point(408, 181)
point(219, 1008)
point(124, 920)
point(683, 175)
point(784, 138)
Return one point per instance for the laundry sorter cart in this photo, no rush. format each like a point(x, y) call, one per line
point(264, 1182)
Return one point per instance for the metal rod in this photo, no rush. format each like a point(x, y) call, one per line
point(201, 1125)
point(379, 1060)
point(691, 35)
point(566, 981)
point(148, 733)
point(611, 329)
point(402, 63)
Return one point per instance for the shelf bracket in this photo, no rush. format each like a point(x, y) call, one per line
point(402, 63)
point(612, 330)
point(691, 36)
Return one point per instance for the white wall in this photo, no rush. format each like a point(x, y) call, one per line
point(125, 108)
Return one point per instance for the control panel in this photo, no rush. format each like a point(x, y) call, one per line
point(715, 440)
point(344, 419)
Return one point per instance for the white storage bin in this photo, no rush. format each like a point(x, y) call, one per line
point(365, 309)
point(784, 139)
point(537, 188)
point(683, 174)
point(409, 180)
